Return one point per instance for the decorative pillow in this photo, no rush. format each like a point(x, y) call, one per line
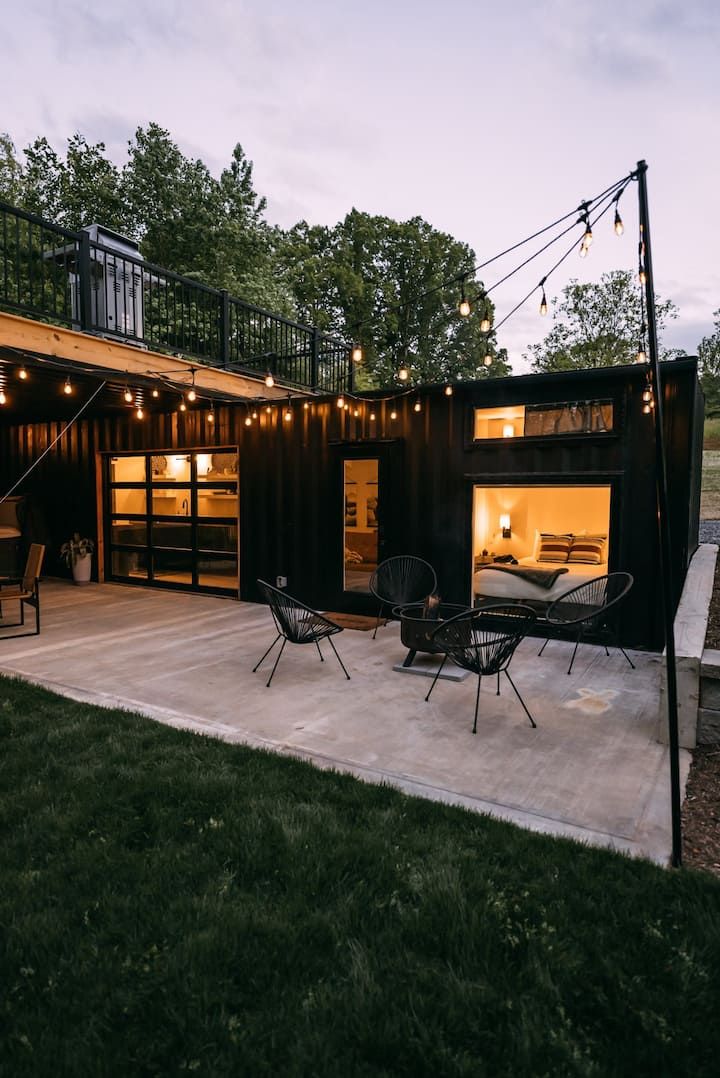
point(554, 548)
point(591, 549)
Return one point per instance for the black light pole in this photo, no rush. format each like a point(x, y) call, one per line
point(666, 583)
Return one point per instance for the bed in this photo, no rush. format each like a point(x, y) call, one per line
point(488, 582)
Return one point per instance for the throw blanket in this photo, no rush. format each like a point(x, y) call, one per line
point(544, 578)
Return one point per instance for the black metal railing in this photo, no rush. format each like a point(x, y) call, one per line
point(69, 278)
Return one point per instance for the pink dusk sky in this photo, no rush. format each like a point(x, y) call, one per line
point(489, 120)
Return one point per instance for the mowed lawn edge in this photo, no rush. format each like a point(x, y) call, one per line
point(171, 903)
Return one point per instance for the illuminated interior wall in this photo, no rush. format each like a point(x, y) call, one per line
point(506, 422)
point(531, 509)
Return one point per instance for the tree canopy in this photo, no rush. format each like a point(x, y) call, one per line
point(709, 357)
point(597, 325)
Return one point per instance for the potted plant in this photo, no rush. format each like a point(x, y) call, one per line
point(77, 555)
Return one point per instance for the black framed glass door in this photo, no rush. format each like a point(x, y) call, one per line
point(172, 519)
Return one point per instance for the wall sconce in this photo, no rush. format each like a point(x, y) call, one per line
point(505, 525)
point(508, 431)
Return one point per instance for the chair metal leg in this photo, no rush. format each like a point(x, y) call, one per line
point(329, 640)
point(267, 652)
point(619, 646)
point(437, 675)
point(377, 620)
point(498, 684)
point(276, 662)
point(515, 690)
point(317, 645)
point(477, 703)
point(547, 638)
point(579, 638)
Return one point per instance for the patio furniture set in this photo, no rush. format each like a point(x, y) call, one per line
point(480, 639)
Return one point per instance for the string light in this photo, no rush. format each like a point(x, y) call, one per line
point(341, 402)
point(3, 398)
point(156, 393)
point(269, 380)
point(306, 406)
point(287, 414)
point(182, 407)
point(404, 373)
point(543, 302)
point(647, 394)
point(192, 395)
point(356, 412)
point(128, 394)
point(139, 412)
point(617, 224)
point(647, 409)
point(22, 374)
point(268, 409)
point(642, 276)
point(393, 414)
point(67, 388)
point(464, 305)
point(346, 407)
point(488, 360)
point(372, 417)
point(248, 421)
point(357, 353)
point(211, 413)
point(485, 325)
point(254, 414)
point(417, 406)
point(448, 391)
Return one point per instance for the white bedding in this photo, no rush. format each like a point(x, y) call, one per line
point(488, 581)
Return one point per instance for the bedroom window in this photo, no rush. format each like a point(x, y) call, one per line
point(539, 527)
point(544, 420)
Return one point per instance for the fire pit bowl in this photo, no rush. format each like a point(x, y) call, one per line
point(416, 627)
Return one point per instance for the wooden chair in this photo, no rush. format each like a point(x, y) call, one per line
point(297, 623)
point(25, 590)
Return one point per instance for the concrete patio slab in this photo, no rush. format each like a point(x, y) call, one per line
point(592, 770)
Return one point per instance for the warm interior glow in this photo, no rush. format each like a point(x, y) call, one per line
point(204, 461)
point(559, 509)
point(499, 422)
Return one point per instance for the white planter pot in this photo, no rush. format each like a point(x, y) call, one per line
point(81, 569)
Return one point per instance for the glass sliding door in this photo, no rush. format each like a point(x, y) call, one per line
point(172, 519)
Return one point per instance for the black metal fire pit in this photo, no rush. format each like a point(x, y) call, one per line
point(417, 626)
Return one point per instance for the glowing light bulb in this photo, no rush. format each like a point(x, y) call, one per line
point(356, 412)
point(464, 307)
point(488, 360)
point(448, 391)
point(139, 412)
point(67, 388)
point(248, 421)
point(156, 393)
point(211, 416)
point(269, 380)
point(618, 225)
point(588, 237)
point(403, 373)
point(508, 430)
point(3, 398)
point(22, 374)
point(372, 417)
point(543, 304)
point(393, 414)
point(642, 276)
point(182, 406)
point(583, 251)
point(306, 406)
point(346, 407)
point(647, 395)
point(287, 415)
point(341, 402)
point(192, 395)
point(254, 413)
point(268, 409)
point(357, 353)
point(128, 395)
point(485, 325)
point(647, 409)
point(641, 356)
point(417, 407)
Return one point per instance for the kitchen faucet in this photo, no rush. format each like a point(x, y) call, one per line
point(186, 507)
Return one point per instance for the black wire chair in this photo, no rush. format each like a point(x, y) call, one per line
point(585, 608)
point(483, 641)
point(297, 623)
point(400, 581)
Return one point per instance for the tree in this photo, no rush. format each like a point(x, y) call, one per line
point(597, 325)
point(384, 284)
point(709, 357)
point(10, 171)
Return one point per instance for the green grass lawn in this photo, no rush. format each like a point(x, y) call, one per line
point(173, 904)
